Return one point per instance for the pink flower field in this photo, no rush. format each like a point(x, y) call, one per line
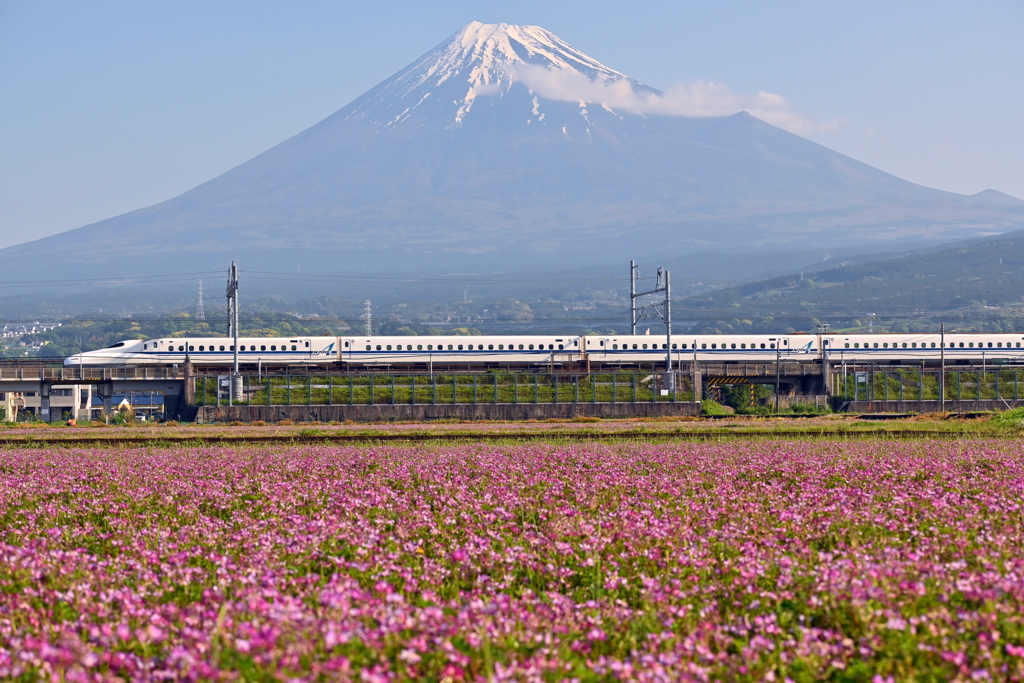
point(748, 561)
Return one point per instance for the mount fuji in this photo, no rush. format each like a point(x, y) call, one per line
point(505, 148)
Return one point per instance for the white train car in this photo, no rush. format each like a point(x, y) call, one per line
point(630, 349)
point(923, 347)
point(483, 350)
point(213, 351)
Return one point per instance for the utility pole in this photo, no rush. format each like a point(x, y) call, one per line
point(663, 284)
point(778, 352)
point(942, 367)
point(668, 331)
point(235, 387)
point(632, 296)
point(200, 313)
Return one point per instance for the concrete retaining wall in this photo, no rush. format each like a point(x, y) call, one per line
point(385, 413)
point(952, 406)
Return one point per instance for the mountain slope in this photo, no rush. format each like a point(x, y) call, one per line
point(478, 156)
point(977, 273)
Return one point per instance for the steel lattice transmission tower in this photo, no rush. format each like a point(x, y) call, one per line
point(200, 311)
point(368, 317)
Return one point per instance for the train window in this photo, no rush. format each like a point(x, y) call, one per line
point(521, 347)
point(970, 344)
point(683, 346)
point(460, 347)
point(990, 345)
point(450, 347)
point(201, 348)
point(703, 346)
point(645, 346)
point(531, 346)
point(501, 347)
point(346, 346)
point(1018, 344)
point(886, 345)
point(273, 347)
point(144, 347)
point(389, 347)
point(905, 344)
point(490, 347)
point(743, 346)
point(221, 348)
point(560, 347)
point(714, 346)
point(419, 347)
point(825, 342)
point(913, 345)
point(962, 345)
point(999, 344)
point(856, 345)
point(264, 348)
point(293, 347)
point(876, 345)
point(734, 346)
point(170, 348)
point(615, 346)
point(307, 345)
point(378, 347)
point(673, 346)
point(772, 345)
point(847, 345)
point(430, 347)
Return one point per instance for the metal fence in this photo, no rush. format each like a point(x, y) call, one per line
point(441, 389)
point(907, 384)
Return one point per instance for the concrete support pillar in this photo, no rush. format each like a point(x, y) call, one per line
point(106, 392)
point(44, 402)
point(698, 389)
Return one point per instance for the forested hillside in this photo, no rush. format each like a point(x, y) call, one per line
point(977, 285)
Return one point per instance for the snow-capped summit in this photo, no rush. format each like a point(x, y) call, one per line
point(489, 60)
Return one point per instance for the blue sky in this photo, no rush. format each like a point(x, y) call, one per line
point(106, 107)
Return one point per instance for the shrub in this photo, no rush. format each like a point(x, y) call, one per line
point(711, 408)
point(1009, 418)
point(286, 422)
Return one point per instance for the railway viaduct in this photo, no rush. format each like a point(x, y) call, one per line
point(301, 393)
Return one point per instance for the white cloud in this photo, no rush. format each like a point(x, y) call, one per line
point(699, 98)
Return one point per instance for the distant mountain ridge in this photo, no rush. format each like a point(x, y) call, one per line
point(477, 155)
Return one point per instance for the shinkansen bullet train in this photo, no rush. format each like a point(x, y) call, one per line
point(499, 351)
